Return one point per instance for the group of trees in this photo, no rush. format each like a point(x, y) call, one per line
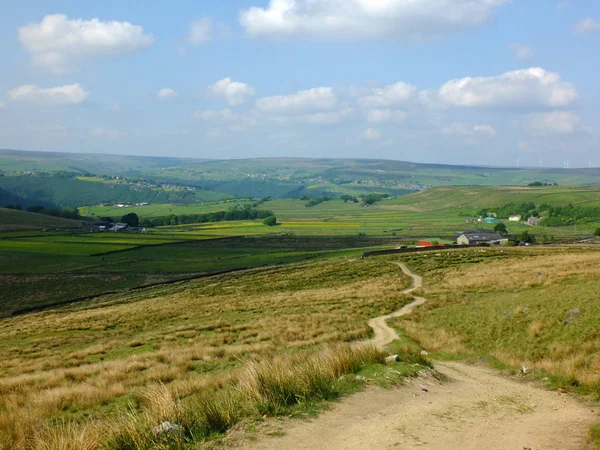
point(525, 210)
point(554, 216)
point(315, 201)
point(244, 213)
point(366, 199)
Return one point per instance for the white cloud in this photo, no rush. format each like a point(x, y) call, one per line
point(366, 19)
point(588, 25)
point(222, 114)
point(201, 31)
point(371, 134)
point(72, 94)
point(60, 45)
point(2, 105)
point(485, 129)
point(385, 115)
point(317, 99)
point(527, 88)
point(391, 95)
point(461, 129)
point(166, 93)
point(561, 122)
point(521, 52)
point(325, 118)
point(205, 29)
point(108, 134)
point(234, 92)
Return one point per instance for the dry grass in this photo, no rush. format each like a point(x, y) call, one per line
point(92, 362)
point(266, 386)
point(516, 307)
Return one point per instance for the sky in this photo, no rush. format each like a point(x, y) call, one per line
point(473, 82)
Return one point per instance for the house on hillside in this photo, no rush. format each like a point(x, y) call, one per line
point(514, 218)
point(534, 221)
point(119, 227)
point(481, 237)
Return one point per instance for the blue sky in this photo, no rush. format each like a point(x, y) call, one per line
point(494, 82)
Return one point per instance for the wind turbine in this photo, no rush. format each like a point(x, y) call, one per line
point(590, 164)
point(541, 162)
point(567, 162)
point(518, 162)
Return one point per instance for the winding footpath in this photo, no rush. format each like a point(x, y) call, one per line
point(477, 409)
point(384, 334)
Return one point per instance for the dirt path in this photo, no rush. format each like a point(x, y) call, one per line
point(478, 409)
point(383, 333)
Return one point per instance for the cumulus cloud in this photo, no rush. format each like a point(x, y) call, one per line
point(366, 19)
point(391, 95)
point(61, 45)
point(461, 129)
point(316, 99)
point(385, 115)
point(371, 134)
point(521, 52)
point(108, 134)
point(72, 94)
point(588, 25)
point(235, 93)
point(166, 93)
point(527, 88)
point(211, 114)
point(556, 122)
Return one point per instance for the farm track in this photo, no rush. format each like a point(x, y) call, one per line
point(478, 408)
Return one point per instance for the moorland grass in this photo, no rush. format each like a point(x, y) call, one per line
point(536, 308)
point(77, 367)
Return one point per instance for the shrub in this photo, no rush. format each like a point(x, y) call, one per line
point(270, 221)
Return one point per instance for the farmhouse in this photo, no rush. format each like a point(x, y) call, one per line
point(119, 227)
point(534, 221)
point(514, 218)
point(481, 237)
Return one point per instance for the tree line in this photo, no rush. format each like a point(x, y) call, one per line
point(244, 213)
point(554, 216)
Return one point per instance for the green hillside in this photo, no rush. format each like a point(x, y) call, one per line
point(289, 177)
point(477, 197)
point(11, 219)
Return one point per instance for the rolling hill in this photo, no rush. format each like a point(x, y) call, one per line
point(289, 177)
point(477, 197)
point(11, 219)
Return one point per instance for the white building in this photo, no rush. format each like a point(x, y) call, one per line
point(515, 218)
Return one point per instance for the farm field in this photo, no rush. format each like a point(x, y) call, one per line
point(103, 371)
point(435, 212)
